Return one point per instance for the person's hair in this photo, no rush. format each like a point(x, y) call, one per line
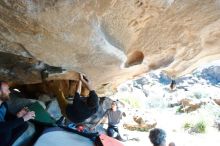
point(157, 136)
point(115, 102)
point(173, 84)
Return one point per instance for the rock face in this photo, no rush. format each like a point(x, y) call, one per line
point(109, 40)
point(212, 74)
point(189, 105)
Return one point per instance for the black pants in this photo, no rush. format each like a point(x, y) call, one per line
point(112, 130)
point(9, 137)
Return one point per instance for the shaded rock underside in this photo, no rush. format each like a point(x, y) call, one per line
point(110, 40)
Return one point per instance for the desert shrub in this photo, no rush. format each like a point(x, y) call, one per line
point(200, 127)
point(180, 109)
point(187, 126)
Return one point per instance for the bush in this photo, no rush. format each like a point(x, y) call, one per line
point(200, 127)
point(187, 126)
point(180, 109)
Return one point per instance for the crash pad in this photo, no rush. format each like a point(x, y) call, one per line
point(41, 115)
point(58, 137)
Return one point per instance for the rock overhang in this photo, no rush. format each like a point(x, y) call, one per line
point(110, 41)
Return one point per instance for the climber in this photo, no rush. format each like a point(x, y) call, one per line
point(80, 109)
point(173, 85)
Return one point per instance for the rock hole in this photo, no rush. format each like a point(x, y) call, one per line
point(134, 58)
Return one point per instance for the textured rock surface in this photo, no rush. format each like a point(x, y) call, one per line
point(104, 39)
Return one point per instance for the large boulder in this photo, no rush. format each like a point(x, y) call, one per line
point(104, 104)
point(54, 110)
point(110, 40)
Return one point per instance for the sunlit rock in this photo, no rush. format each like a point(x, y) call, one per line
point(110, 41)
point(140, 124)
point(189, 105)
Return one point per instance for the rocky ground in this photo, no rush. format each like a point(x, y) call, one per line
point(173, 124)
point(190, 114)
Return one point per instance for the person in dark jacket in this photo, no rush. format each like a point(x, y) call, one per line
point(82, 107)
point(11, 126)
point(173, 85)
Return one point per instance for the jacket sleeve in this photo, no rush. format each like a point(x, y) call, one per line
point(9, 125)
point(9, 116)
point(93, 99)
point(76, 97)
point(11, 121)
